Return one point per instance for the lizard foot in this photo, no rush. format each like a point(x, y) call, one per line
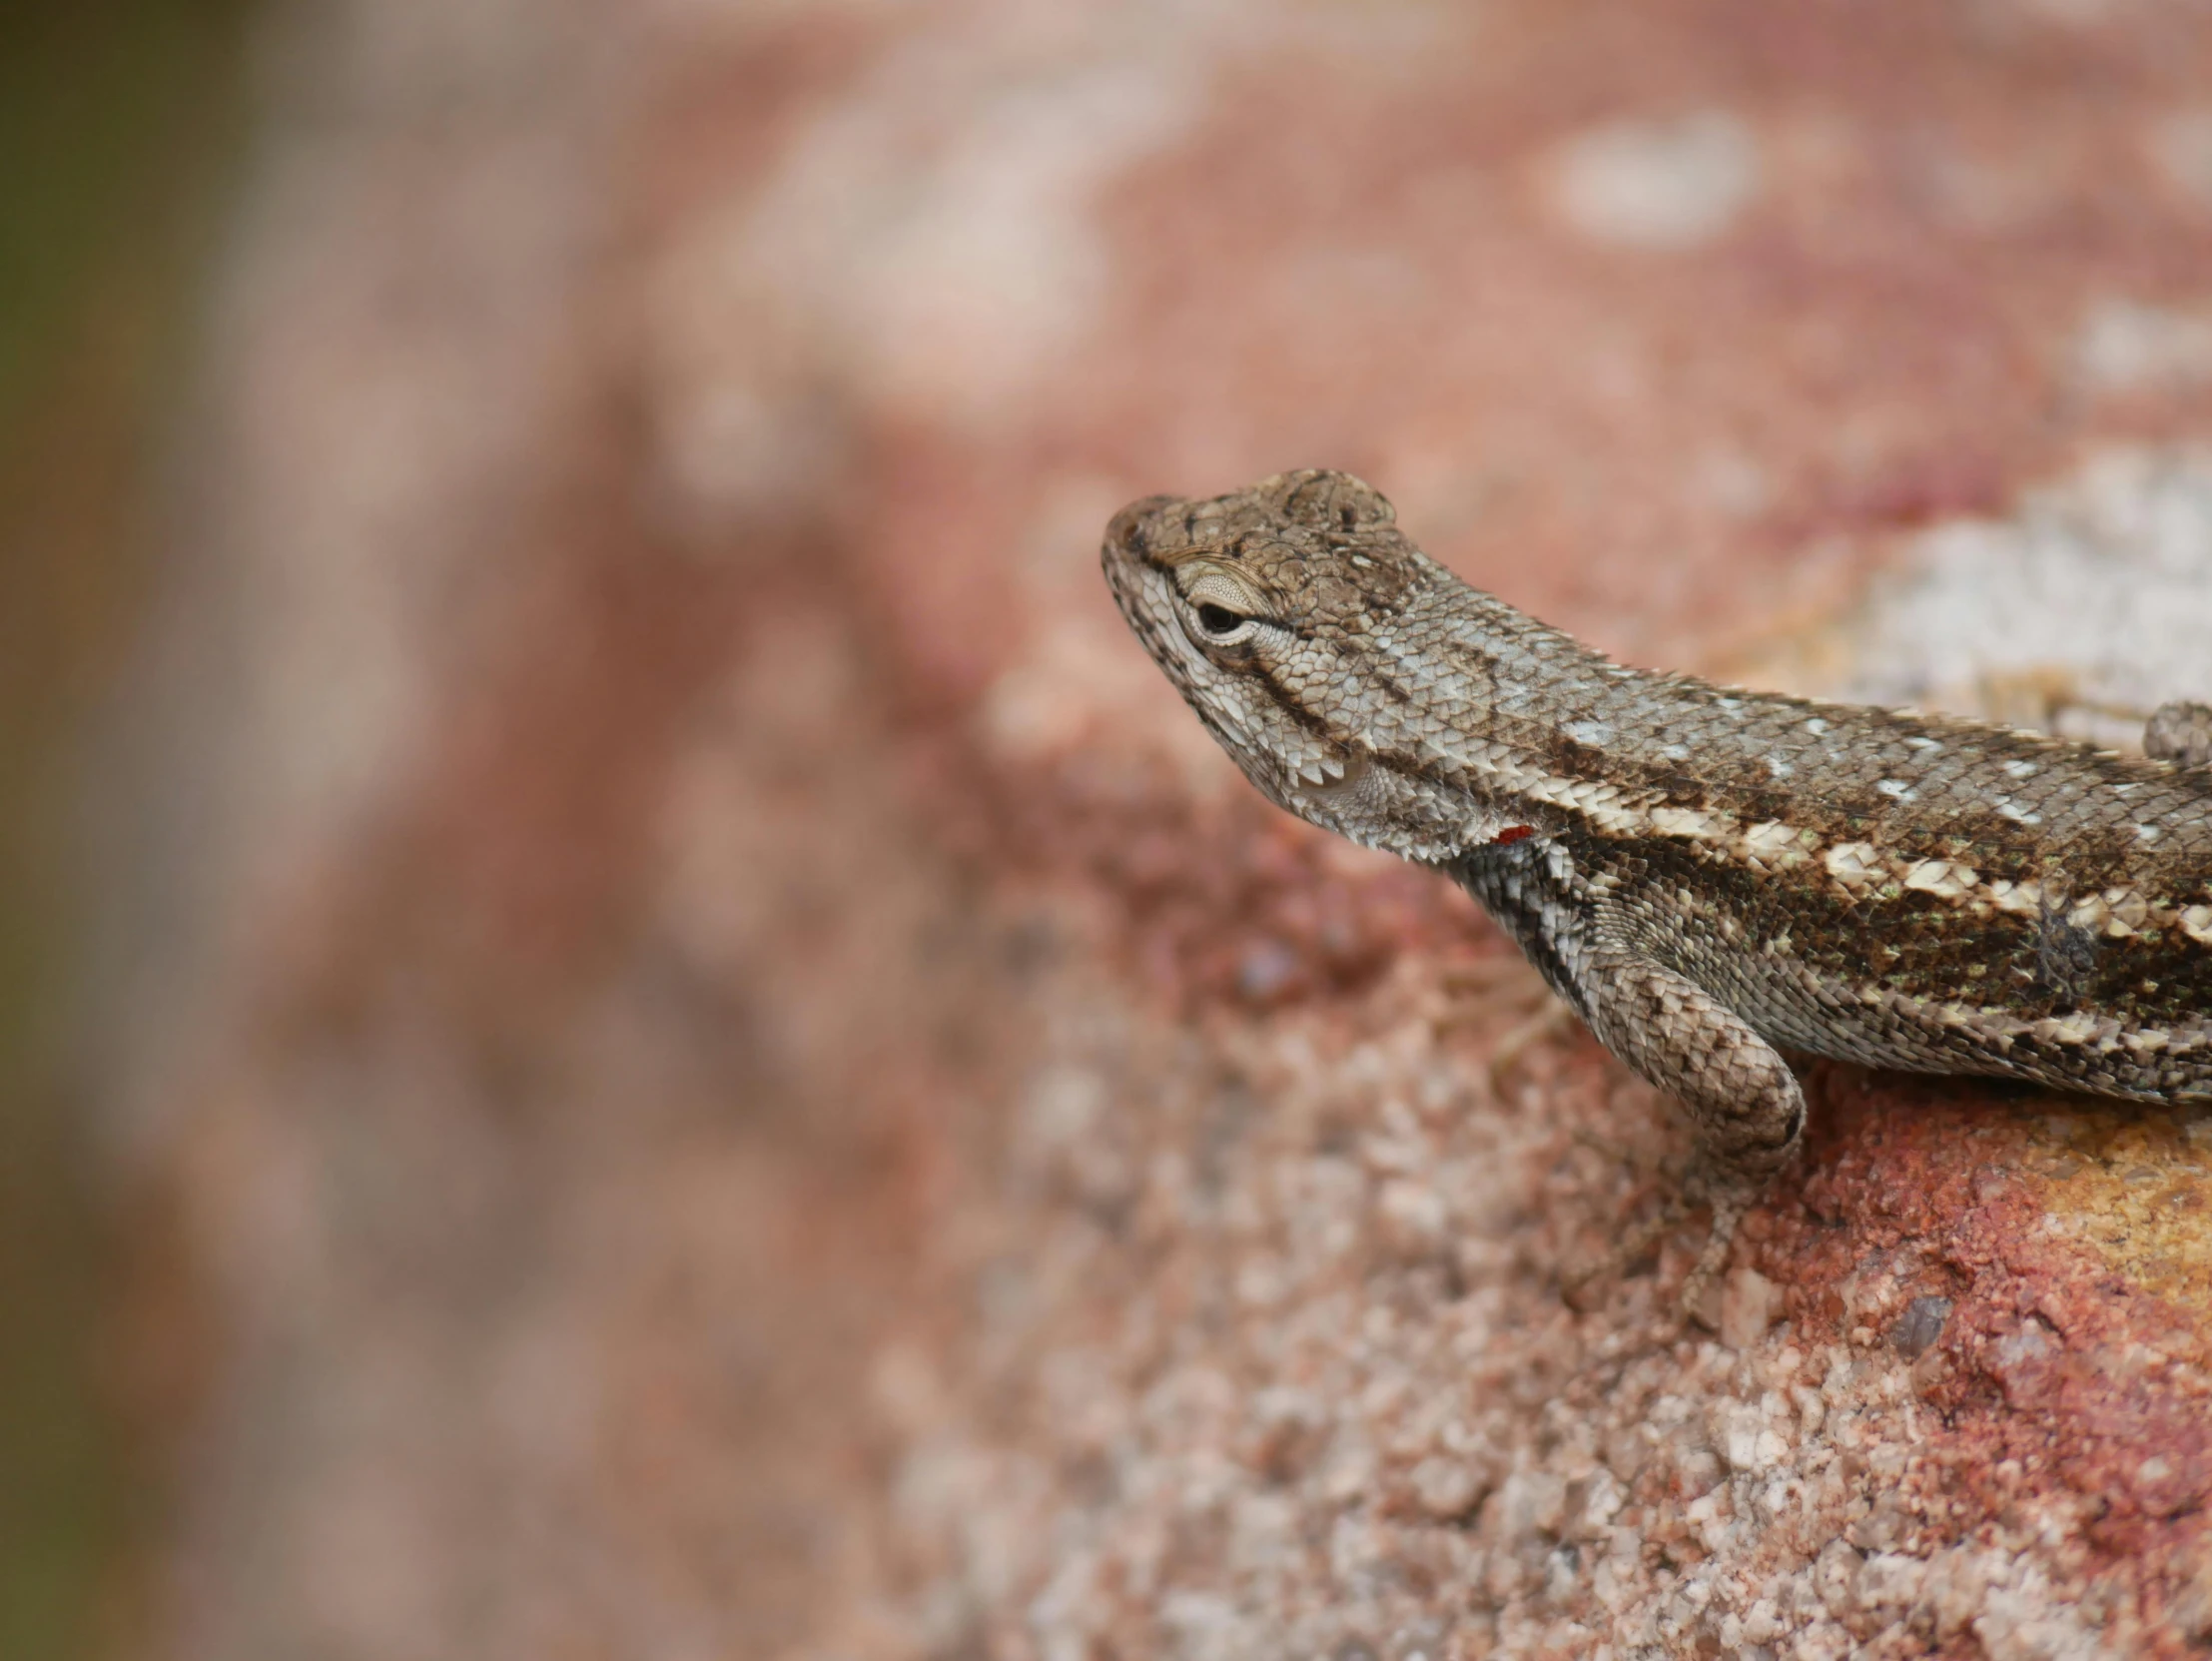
point(1729, 1207)
point(1727, 1202)
point(1623, 1251)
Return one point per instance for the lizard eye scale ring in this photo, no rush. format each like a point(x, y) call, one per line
point(1222, 605)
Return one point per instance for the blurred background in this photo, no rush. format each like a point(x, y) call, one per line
point(122, 131)
point(604, 945)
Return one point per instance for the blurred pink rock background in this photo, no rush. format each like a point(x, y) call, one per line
point(682, 1051)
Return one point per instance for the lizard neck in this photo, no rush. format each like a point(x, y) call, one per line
point(1468, 723)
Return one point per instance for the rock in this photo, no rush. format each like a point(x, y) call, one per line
point(712, 1002)
point(1662, 185)
point(1749, 1304)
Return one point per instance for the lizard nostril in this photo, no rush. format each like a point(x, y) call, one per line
point(1129, 529)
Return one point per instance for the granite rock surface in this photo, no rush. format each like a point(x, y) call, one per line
point(718, 1069)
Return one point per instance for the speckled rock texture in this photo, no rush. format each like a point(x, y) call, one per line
point(718, 1068)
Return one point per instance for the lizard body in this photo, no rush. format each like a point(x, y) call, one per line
point(1708, 876)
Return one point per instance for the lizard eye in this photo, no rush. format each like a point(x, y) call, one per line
point(1222, 604)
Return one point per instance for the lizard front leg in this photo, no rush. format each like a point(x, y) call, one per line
point(1745, 1107)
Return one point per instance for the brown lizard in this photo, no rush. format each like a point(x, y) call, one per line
point(1708, 876)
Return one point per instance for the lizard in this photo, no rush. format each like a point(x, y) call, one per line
point(1713, 879)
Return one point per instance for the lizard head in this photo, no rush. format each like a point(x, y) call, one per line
point(1272, 611)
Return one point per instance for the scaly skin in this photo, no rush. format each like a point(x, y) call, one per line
point(1708, 876)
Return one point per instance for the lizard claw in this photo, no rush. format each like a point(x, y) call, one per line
point(1727, 1212)
point(1631, 1246)
point(1728, 1206)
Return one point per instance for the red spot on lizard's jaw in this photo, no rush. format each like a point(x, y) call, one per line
point(1510, 835)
